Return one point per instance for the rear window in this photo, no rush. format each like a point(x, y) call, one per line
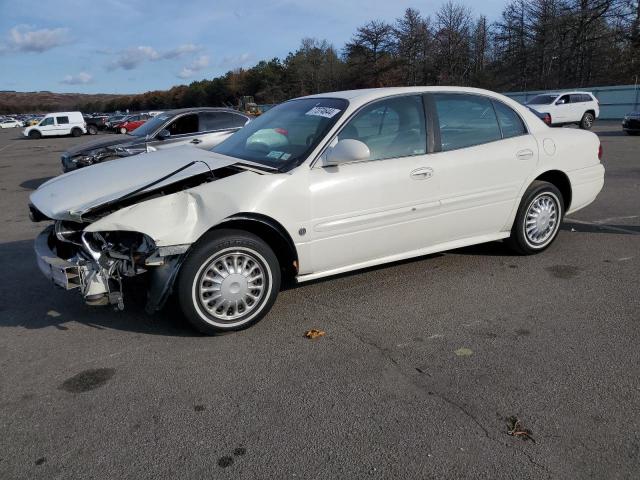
point(510, 122)
point(220, 121)
point(62, 120)
point(466, 120)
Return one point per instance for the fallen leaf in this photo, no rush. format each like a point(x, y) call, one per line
point(313, 333)
point(463, 352)
point(516, 429)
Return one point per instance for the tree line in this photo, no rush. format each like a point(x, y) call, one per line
point(535, 44)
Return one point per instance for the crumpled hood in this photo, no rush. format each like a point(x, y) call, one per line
point(69, 195)
point(85, 148)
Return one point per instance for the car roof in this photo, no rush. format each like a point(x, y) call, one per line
point(201, 109)
point(365, 95)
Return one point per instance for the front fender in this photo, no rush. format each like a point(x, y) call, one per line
point(176, 219)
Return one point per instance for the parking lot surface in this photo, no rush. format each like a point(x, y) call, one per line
point(423, 365)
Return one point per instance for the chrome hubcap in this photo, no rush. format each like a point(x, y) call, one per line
point(542, 219)
point(231, 285)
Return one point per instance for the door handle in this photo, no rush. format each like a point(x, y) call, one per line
point(525, 154)
point(196, 141)
point(421, 173)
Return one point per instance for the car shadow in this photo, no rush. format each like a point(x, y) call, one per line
point(612, 133)
point(600, 228)
point(34, 183)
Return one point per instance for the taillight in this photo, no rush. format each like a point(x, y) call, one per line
point(600, 152)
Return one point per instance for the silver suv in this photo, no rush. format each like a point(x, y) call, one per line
point(199, 127)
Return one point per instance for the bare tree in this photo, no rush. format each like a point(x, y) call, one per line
point(370, 51)
point(452, 40)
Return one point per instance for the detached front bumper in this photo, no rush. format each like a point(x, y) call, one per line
point(74, 272)
point(62, 272)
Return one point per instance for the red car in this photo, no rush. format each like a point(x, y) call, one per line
point(131, 122)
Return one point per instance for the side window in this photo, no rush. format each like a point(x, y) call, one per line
point(220, 121)
point(577, 98)
point(510, 122)
point(587, 98)
point(465, 120)
point(47, 121)
point(184, 125)
point(62, 120)
point(564, 99)
point(391, 128)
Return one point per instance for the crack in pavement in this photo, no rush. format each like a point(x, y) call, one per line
point(386, 354)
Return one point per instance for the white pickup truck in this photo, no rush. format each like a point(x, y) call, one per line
point(580, 108)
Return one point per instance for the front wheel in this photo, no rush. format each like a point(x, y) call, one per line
point(587, 121)
point(35, 134)
point(538, 219)
point(228, 281)
point(123, 130)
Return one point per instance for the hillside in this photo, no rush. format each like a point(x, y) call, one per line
point(40, 102)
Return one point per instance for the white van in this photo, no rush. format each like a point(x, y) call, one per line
point(60, 123)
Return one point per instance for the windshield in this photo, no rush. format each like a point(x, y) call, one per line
point(151, 125)
point(542, 100)
point(286, 134)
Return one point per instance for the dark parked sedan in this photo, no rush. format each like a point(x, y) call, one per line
point(631, 123)
point(200, 127)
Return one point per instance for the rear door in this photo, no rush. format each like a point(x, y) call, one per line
point(486, 155)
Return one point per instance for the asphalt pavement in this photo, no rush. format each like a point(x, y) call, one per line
point(425, 369)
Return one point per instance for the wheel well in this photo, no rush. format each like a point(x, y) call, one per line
point(561, 182)
point(592, 112)
point(272, 232)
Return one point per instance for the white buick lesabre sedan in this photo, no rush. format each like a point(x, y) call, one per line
point(316, 186)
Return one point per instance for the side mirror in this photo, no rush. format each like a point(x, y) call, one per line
point(346, 151)
point(163, 134)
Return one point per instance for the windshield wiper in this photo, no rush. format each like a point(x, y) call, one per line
point(259, 166)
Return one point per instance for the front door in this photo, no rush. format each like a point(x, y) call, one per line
point(380, 207)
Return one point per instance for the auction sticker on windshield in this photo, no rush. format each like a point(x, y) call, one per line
point(323, 112)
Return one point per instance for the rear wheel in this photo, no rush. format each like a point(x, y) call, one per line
point(35, 134)
point(92, 129)
point(587, 121)
point(228, 282)
point(76, 132)
point(538, 219)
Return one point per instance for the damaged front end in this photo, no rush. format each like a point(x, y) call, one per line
point(85, 159)
point(96, 263)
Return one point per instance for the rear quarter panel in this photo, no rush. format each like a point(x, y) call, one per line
point(574, 152)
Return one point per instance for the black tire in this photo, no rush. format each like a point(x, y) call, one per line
point(92, 130)
point(35, 134)
point(632, 133)
point(522, 242)
point(76, 132)
point(587, 121)
point(213, 252)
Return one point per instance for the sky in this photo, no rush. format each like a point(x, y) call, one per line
point(130, 46)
